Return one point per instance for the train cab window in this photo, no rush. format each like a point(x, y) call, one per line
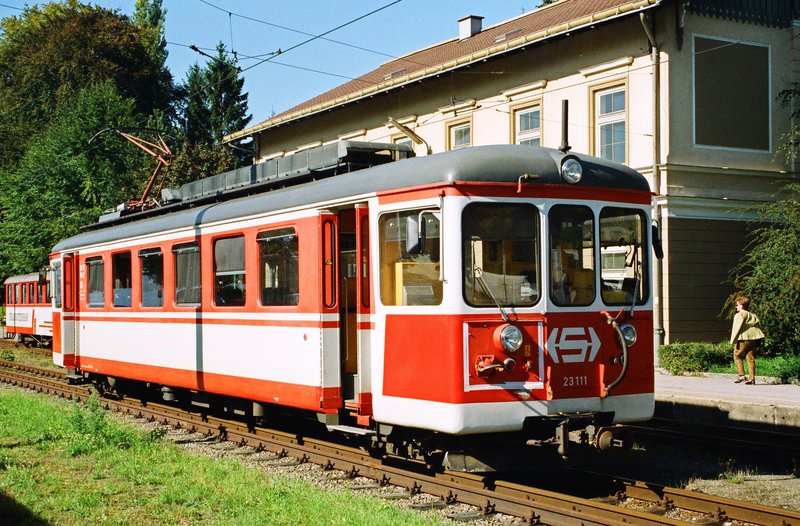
point(151, 261)
point(187, 274)
point(279, 267)
point(409, 258)
point(623, 256)
point(500, 243)
point(572, 259)
point(229, 275)
point(121, 272)
point(95, 282)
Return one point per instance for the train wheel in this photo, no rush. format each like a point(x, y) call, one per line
point(17, 337)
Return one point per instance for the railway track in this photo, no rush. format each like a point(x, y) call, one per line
point(656, 504)
point(760, 441)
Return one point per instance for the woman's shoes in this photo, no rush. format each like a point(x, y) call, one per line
point(750, 382)
point(739, 380)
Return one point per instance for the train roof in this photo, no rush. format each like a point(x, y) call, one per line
point(23, 278)
point(488, 164)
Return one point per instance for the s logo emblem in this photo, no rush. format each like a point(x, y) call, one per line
point(573, 344)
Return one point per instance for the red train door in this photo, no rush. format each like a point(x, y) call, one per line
point(69, 315)
point(354, 311)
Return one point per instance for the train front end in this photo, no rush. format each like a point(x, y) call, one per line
point(523, 311)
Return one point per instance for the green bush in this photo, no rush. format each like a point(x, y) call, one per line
point(787, 368)
point(694, 357)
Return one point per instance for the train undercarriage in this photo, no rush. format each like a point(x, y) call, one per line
point(542, 442)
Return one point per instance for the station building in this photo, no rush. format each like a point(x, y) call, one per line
point(686, 92)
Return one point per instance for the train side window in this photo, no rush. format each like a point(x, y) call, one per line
point(95, 282)
point(25, 295)
point(56, 291)
point(572, 265)
point(229, 274)
point(121, 272)
point(623, 256)
point(279, 266)
point(152, 264)
point(38, 290)
point(187, 274)
point(410, 278)
point(501, 254)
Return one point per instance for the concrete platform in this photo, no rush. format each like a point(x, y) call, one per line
point(715, 399)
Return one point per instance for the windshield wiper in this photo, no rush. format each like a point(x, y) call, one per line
point(477, 272)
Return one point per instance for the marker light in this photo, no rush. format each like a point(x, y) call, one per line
point(571, 170)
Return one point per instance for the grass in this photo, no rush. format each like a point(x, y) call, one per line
point(12, 352)
point(61, 463)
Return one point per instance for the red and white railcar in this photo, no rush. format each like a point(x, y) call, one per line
point(490, 295)
point(29, 315)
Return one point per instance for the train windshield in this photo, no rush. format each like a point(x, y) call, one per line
point(501, 252)
point(623, 256)
point(572, 264)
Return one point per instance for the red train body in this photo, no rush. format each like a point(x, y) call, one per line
point(29, 314)
point(430, 302)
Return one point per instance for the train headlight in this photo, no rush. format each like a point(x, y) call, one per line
point(628, 333)
point(571, 170)
point(509, 338)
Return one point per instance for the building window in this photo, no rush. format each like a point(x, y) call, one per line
point(151, 261)
point(609, 128)
point(731, 94)
point(95, 282)
point(229, 275)
point(280, 268)
point(187, 274)
point(459, 135)
point(121, 270)
point(528, 126)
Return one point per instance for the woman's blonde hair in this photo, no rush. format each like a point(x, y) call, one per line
point(744, 302)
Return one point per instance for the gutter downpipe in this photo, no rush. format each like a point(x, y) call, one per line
point(649, 25)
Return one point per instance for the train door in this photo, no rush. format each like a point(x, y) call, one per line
point(354, 311)
point(67, 298)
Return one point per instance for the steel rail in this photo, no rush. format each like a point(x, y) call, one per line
point(773, 442)
point(719, 508)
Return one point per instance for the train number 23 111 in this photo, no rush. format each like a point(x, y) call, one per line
point(576, 381)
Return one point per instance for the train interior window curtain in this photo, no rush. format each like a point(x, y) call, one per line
point(121, 268)
point(229, 275)
point(94, 271)
point(187, 274)
point(152, 265)
point(280, 283)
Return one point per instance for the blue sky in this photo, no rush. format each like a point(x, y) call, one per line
point(310, 69)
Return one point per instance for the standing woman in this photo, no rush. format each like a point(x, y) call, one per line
point(746, 337)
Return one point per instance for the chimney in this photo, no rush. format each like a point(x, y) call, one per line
point(469, 26)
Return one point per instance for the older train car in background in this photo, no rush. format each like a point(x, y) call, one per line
point(29, 314)
point(453, 307)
